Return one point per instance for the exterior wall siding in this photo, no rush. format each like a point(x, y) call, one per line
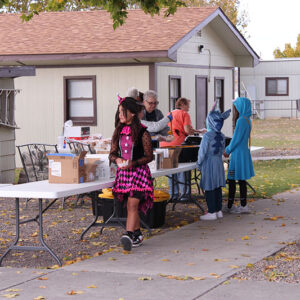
point(7, 144)
point(188, 53)
point(256, 77)
point(40, 105)
point(222, 60)
point(188, 89)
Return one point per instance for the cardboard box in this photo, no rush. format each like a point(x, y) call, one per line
point(156, 163)
point(91, 162)
point(66, 167)
point(172, 160)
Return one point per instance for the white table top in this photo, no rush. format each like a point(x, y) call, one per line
point(45, 190)
point(256, 149)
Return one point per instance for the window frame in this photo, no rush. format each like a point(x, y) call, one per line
point(277, 78)
point(7, 107)
point(81, 121)
point(173, 99)
point(223, 92)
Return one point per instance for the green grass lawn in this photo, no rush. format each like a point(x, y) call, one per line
point(275, 176)
point(276, 133)
point(271, 177)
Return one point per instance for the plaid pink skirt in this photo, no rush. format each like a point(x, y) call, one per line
point(135, 182)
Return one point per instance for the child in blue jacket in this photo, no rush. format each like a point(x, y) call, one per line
point(210, 163)
point(240, 165)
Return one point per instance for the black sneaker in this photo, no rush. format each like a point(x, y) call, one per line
point(126, 242)
point(137, 240)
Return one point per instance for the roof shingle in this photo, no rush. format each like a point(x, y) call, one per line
point(92, 32)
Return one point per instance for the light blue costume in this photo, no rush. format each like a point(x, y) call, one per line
point(211, 150)
point(240, 166)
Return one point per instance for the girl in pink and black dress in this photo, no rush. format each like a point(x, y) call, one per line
point(132, 150)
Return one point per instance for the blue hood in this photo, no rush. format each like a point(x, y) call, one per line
point(243, 106)
point(215, 120)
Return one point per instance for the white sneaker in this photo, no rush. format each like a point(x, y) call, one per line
point(209, 217)
point(219, 214)
point(232, 210)
point(244, 209)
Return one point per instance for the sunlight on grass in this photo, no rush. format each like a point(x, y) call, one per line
point(271, 177)
point(275, 176)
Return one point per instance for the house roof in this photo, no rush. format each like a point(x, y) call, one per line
point(64, 36)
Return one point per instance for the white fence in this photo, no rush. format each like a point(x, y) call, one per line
point(264, 109)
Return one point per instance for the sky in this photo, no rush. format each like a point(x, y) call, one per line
point(272, 24)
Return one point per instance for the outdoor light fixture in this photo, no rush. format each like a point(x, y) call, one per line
point(201, 49)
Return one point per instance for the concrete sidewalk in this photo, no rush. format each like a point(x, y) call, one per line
point(204, 255)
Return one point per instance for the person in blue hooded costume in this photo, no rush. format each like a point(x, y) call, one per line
point(210, 163)
point(240, 165)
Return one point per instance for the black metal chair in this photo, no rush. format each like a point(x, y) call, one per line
point(77, 147)
point(35, 161)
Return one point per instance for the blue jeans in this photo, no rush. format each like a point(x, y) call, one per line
point(178, 187)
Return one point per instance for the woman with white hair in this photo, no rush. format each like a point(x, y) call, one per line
point(133, 93)
point(152, 113)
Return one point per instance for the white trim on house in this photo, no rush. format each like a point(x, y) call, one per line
point(172, 52)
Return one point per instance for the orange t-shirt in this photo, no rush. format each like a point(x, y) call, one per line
point(180, 118)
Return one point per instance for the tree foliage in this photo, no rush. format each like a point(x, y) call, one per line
point(288, 51)
point(118, 8)
point(230, 7)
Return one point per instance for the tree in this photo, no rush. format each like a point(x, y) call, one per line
point(116, 8)
point(230, 7)
point(288, 51)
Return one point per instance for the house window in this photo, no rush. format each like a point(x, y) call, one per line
point(80, 100)
point(277, 86)
point(174, 90)
point(219, 93)
point(7, 107)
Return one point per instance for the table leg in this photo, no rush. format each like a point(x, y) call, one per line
point(94, 223)
point(17, 231)
point(42, 234)
point(187, 196)
point(251, 187)
point(44, 246)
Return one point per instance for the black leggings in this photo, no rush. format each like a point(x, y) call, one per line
point(214, 200)
point(232, 189)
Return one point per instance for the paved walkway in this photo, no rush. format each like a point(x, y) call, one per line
point(204, 254)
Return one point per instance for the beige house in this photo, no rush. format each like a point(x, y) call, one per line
point(82, 63)
point(8, 123)
point(274, 87)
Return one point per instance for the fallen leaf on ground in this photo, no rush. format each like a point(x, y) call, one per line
point(43, 278)
point(234, 267)
point(92, 287)
point(246, 237)
point(145, 278)
point(72, 292)
point(10, 295)
point(274, 218)
point(39, 298)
